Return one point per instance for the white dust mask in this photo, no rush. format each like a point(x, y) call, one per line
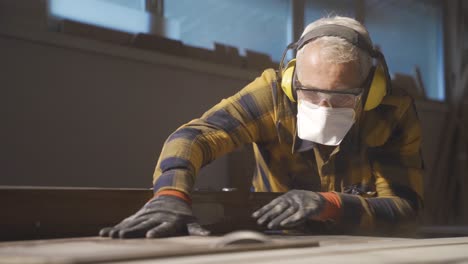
point(323, 125)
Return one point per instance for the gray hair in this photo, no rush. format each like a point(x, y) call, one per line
point(336, 49)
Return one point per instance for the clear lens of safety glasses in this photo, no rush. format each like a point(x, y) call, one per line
point(337, 98)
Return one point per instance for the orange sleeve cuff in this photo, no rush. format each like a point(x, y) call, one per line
point(332, 209)
point(175, 193)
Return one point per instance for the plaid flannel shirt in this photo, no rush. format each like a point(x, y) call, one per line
point(376, 170)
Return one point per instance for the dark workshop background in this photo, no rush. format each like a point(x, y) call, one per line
point(90, 90)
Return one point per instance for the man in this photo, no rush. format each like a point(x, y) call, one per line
point(343, 148)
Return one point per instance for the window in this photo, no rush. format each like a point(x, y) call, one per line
point(259, 25)
point(315, 9)
point(129, 16)
point(408, 32)
point(134, 4)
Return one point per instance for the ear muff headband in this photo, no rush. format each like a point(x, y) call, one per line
point(351, 35)
point(380, 83)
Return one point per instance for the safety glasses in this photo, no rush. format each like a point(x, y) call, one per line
point(348, 98)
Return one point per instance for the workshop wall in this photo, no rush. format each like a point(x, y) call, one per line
point(76, 117)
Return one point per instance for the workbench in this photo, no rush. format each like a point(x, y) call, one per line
point(289, 249)
point(59, 225)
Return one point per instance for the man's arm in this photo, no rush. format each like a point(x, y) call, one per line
point(246, 117)
point(397, 168)
point(243, 118)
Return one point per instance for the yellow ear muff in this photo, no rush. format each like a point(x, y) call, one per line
point(377, 90)
point(287, 80)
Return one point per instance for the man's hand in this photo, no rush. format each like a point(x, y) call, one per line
point(162, 216)
point(291, 209)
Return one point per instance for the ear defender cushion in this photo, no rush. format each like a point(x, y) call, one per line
point(377, 89)
point(287, 80)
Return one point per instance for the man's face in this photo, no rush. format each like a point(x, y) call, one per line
point(315, 72)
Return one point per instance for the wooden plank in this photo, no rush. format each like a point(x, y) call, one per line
point(226, 54)
point(38, 213)
point(355, 249)
point(94, 32)
point(34, 213)
point(158, 43)
point(98, 250)
point(258, 60)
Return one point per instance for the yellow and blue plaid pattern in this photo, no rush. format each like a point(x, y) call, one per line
point(380, 153)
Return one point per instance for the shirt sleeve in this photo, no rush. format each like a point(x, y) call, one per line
point(240, 119)
point(397, 168)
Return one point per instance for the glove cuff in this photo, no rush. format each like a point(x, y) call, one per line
point(332, 209)
point(174, 193)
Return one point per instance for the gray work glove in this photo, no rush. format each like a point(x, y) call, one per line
point(291, 209)
point(163, 216)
